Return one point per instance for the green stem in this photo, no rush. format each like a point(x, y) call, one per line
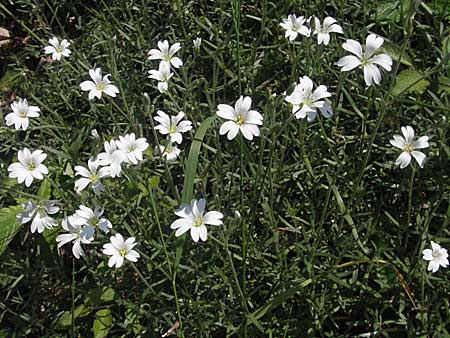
point(173, 275)
point(244, 231)
point(73, 299)
point(237, 27)
point(408, 215)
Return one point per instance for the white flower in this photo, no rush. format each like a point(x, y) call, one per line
point(409, 146)
point(170, 152)
point(305, 101)
point(172, 125)
point(77, 234)
point(119, 249)
point(57, 49)
point(132, 148)
point(368, 60)
point(99, 85)
point(21, 113)
point(197, 43)
point(87, 217)
point(163, 75)
point(112, 158)
point(29, 166)
point(94, 133)
point(91, 176)
point(166, 54)
point(323, 31)
point(40, 212)
point(241, 119)
point(294, 26)
point(437, 256)
point(192, 219)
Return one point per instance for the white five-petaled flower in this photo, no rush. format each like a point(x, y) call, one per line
point(193, 218)
point(172, 125)
point(58, 49)
point(409, 146)
point(323, 31)
point(40, 215)
point(305, 101)
point(437, 256)
point(91, 176)
point(112, 158)
point(295, 26)
point(197, 43)
point(132, 147)
point(21, 112)
point(119, 249)
point(162, 75)
point(170, 152)
point(241, 118)
point(166, 53)
point(368, 60)
point(99, 85)
point(77, 234)
point(87, 217)
point(29, 166)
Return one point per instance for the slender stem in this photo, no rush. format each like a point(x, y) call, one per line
point(233, 270)
point(73, 299)
point(410, 191)
point(422, 294)
point(141, 276)
point(173, 275)
point(244, 231)
point(237, 27)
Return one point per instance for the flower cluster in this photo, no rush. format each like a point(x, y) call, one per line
point(295, 26)
point(166, 54)
point(174, 127)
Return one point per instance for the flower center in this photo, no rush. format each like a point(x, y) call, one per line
point(436, 254)
point(41, 211)
point(198, 222)
point(167, 57)
point(58, 49)
point(364, 61)
point(408, 148)
point(130, 149)
point(22, 114)
point(93, 177)
point(172, 128)
point(31, 166)
point(123, 252)
point(240, 120)
point(94, 221)
point(100, 86)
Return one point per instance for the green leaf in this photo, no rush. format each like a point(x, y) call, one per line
point(102, 323)
point(45, 190)
point(100, 296)
point(9, 80)
point(65, 320)
point(394, 51)
point(153, 182)
point(8, 225)
point(446, 49)
point(192, 161)
point(409, 80)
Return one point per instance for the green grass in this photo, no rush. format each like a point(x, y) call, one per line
point(331, 232)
